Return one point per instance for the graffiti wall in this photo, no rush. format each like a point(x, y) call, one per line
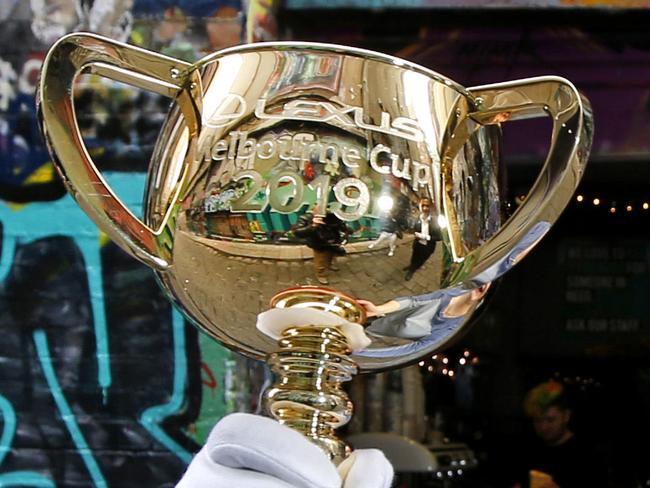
point(102, 382)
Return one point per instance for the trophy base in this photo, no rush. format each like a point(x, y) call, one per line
point(311, 365)
point(308, 396)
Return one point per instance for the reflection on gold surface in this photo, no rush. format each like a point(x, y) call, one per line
point(308, 396)
point(295, 164)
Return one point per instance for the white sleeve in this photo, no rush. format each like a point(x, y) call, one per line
point(249, 451)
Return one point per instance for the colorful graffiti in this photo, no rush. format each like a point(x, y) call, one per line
point(45, 247)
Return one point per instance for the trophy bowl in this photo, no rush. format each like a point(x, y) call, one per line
point(318, 204)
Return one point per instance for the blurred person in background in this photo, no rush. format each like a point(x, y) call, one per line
point(557, 458)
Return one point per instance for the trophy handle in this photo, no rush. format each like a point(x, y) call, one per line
point(81, 52)
point(571, 139)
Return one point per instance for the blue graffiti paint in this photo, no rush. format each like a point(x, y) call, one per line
point(153, 416)
point(16, 478)
point(9, 430)
point(8, 252)
point(25, 478)
point(63, 217)
point(67, 415)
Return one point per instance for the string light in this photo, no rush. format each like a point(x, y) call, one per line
point(631, 207)
point(441, 364)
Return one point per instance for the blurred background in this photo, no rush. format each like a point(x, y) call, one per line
point(103, 384)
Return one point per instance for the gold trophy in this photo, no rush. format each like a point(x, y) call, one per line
point(326, 208)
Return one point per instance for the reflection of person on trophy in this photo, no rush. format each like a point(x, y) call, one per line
point(324, 235)
point(433, 317)
point(390, 231)
point(426, 319)
point(426, 234)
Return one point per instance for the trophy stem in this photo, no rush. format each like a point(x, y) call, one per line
point(311, 365)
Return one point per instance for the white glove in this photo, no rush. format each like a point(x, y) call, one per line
point(249, 451)
point(366, 468)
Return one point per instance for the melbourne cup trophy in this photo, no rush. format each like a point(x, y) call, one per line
point(328, 209)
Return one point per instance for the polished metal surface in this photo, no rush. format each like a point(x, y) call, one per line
point(277, 157)
point(310, 366)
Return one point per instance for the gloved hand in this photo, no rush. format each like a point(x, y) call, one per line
point(249, 451)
